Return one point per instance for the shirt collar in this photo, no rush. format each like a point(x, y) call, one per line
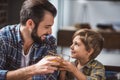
point(88, 64)
point(19, 37)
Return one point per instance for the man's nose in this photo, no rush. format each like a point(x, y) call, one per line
point(50, 31)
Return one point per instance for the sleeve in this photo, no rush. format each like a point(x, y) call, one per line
point(97, 73)
point(2, 59)
point(51, 44)
point(3, 74)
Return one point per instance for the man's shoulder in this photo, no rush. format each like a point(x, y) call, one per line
point(8, 27)
point(7, 31)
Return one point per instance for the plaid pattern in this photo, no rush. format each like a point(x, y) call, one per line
point(94, 70)
point(11, 51)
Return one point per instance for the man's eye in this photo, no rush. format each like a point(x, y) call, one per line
point(46, 27)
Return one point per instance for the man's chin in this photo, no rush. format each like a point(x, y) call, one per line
point(38, 40)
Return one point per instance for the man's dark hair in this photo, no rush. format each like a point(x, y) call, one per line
point(35, 10)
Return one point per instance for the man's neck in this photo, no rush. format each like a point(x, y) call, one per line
point(26, 35)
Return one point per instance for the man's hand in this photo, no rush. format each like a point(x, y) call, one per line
point(47, 65)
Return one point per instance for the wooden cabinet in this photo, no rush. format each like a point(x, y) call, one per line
point(112, 39)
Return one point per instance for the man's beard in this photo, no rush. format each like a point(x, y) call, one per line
point(35, 37)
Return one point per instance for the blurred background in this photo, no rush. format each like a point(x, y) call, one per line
point(101, 15)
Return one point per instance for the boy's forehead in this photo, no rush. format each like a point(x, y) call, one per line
point(77, 38)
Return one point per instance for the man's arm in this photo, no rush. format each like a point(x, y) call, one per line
point(23, 73)
point(44, 66)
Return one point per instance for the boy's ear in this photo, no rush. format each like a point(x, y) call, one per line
point(90, 51)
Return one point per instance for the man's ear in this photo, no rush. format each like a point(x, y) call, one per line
point(30, 24)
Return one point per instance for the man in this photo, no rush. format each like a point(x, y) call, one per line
point(24, 45)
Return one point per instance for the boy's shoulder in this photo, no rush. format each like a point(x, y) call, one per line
point(95, 63)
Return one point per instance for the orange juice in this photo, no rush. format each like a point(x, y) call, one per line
point(60, 61)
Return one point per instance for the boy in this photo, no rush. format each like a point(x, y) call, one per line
point(86, 46)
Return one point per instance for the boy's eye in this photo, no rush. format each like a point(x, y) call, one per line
point(76, 43)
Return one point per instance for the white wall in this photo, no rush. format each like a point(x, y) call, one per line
point(95, 12)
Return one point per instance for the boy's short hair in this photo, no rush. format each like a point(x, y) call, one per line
point(91, 39)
